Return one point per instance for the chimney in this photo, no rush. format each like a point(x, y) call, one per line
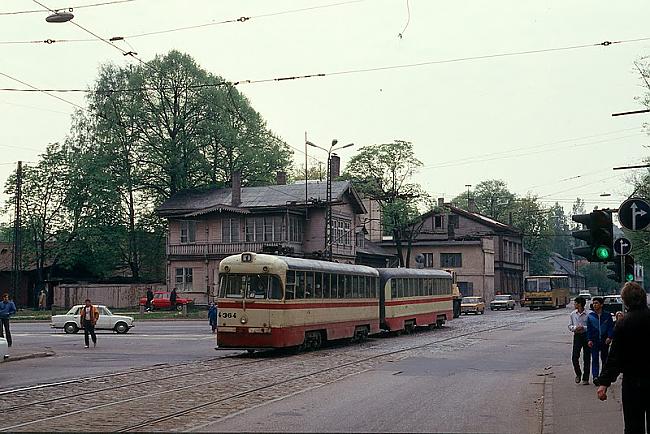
point(281, 178)
point(441, 202)
point(236, 188)
point(471, 205)
point(335, 166)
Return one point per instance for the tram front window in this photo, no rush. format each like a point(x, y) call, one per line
point(251, 286)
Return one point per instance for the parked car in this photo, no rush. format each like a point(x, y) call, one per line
point(472, 304)
point(4, 350)
point(503, 301)
point(161, 301)
point(585, 294)
point(70, 322)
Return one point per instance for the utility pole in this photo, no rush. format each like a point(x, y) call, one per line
point(306, 176)
point(16, 251)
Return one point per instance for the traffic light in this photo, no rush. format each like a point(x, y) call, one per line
point(598, 235)
point(628, 270)
point(615, 267)
point(627, 264)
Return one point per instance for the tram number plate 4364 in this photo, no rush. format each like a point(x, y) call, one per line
point(227, 314)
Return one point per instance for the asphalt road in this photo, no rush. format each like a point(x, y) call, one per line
point(148, 343)
point(490, 382)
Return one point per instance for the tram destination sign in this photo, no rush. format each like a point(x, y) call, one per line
point(634, 214)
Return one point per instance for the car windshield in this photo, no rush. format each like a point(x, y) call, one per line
point(470, 300)
point(105, 311)
point(74, 310)
point(502, 298)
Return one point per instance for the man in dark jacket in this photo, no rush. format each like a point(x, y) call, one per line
point(172, 299)
point(600, 330)
point(630, 355)
point(7, 308)
point(149, 298)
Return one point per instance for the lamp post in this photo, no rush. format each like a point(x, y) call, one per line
point(328, 200)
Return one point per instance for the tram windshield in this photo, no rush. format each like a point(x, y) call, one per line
point(250, 286)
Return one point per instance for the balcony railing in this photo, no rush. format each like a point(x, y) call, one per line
point(203, 249)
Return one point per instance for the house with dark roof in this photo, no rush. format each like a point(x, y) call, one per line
point(205, 226)
point(486, 254)
point(566, 267)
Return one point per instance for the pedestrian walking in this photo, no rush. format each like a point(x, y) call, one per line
point(600, 330)
point(42, 300)
point(149, 298)
point(7, 308)
point(88, 318)
point(212, 316)
point(630, 356)
point(578, 326)
point(172, 299)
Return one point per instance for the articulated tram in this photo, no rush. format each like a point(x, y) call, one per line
point(268, 301)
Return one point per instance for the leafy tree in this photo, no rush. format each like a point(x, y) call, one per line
point(492, 199)
point(596, 277)
point(383, 173)
point(530, 217)
point(562, 241)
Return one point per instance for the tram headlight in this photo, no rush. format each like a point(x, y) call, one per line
point(265, 269)
point(243, 320)
point(226, 268)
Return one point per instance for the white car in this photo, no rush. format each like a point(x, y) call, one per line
point(70, 322)
point(4, 350)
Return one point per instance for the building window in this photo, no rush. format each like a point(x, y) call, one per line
point(341, 233)
point(466, 288)
point(230, 231)
point(439, 221)
point(451, 260)
point(360, 240)
point(428, 260)
point(188, 231)
point(454, 220)
point(294, 229)
point(183, 280)
point(260, 229)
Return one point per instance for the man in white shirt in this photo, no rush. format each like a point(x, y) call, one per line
point(578, 326)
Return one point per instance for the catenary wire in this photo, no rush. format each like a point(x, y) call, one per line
point(33, 11)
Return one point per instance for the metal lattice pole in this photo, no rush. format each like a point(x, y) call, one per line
point(328, 217)
point(16, 251)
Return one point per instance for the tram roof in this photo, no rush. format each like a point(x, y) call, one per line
point(310, 264)
point(389, 273)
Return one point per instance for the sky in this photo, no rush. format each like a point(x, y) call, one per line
point(517, 90)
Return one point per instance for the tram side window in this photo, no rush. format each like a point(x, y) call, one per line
point(318, 285)
point(427, 287)
point(348, 286)
point(327, 288)
point(342, 287)
point(355, 286)
point(290, 289)
point(373, 283)
point(397, 285)
point(309, 290)
point(300, 284)
point(420, 287)
point(335, 285)
point(275, 290)
point(363, 289)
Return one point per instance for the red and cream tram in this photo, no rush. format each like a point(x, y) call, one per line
point(268, 301)
point(414, 297)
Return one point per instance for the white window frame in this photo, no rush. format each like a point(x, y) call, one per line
point(184, 280)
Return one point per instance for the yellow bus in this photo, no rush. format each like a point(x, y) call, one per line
point(546, 292)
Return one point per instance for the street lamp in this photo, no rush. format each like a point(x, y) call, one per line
point(328, 200)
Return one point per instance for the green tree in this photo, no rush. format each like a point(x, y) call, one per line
point(383, 173)
point(562, 241)
point(492, 199)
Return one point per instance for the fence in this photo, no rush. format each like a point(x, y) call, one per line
point(117, 296)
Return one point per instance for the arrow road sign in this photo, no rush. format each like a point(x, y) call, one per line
point(634, 214)
point(622, 246)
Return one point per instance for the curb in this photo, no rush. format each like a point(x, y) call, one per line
point(37, 355)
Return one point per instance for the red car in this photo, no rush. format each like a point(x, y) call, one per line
point(161, 301)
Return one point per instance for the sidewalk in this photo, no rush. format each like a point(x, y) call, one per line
point(22, 352)
point(575, 409)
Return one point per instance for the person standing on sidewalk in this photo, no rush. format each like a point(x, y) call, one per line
point(600, 330)
point(630, 355)
point(149, 298)
point(578, 326)
point(212, 316)
point(89, 316)
point(7, 308)
point(42, 299)
point(172, 299)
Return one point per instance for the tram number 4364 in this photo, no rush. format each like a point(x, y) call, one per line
point(227, 314)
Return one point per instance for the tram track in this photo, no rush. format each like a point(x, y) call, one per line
point(232, 397)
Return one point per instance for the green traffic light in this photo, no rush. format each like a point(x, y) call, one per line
point(602, 252)
point(629, 277)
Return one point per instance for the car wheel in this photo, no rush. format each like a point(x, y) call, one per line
point(483, 311)
point(71, 328)
point(179, 307)
point(121, 328)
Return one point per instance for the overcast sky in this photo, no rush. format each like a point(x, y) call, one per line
point(539, 121)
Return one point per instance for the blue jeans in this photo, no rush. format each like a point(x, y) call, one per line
point(602, 349)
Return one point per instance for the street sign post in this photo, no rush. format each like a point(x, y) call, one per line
point(622, 246)
point(634, 214)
